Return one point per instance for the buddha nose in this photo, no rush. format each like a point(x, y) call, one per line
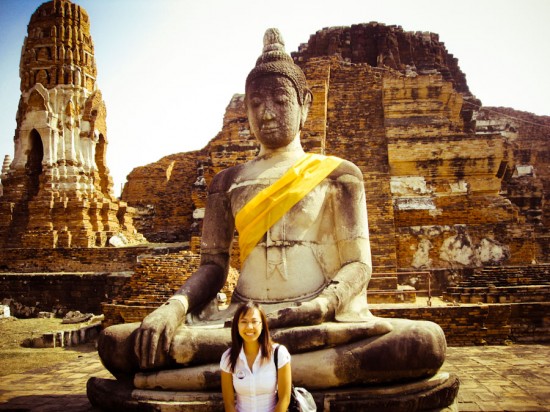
point(269, 113)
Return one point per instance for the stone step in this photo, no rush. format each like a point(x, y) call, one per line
point(507, 294)
point(65, 338)
point(435, 393)
point(502, 276)
point(382, 283)
point(391, 296)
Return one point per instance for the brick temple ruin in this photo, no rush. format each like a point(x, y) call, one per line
point(57, 191)
point(449, 183)
point(454, 189)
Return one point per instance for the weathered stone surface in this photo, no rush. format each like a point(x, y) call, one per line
point(469, 324)
point(379, 45)
point(3, 174)
point(525, 174)
point(163, 195)
point(57, 191)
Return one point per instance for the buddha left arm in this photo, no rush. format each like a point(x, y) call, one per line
point(351, 233)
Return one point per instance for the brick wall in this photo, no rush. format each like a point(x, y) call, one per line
point(495, 324)
point(482, 324)
point(78, 259)
point(356, 132)
point(162, 195)
point(27, 294)
point(154, 281)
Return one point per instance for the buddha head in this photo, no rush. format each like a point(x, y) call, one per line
point(277, 97)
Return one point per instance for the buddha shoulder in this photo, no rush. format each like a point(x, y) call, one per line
point(224, 179)
point(347, 172)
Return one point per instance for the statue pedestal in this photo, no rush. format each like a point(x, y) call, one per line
point(437, 393)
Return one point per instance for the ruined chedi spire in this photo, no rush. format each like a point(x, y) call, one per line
point(57, 190)
point(58, 49)
point(3, 175)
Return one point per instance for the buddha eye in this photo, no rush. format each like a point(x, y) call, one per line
point(255, 102)
point(282, 100)
point(281, 97)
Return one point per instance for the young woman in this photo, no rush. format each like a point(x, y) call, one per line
point(250, 381)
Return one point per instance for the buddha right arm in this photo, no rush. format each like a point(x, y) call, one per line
point(154, 337)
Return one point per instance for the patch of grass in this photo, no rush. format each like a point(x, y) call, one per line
point(16, 359)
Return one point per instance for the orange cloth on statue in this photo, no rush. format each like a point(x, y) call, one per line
point(268, 206)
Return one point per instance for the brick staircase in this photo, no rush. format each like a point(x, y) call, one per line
point(384, 288)
point(503, 284)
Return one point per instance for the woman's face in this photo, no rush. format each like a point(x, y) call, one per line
point(250, 325)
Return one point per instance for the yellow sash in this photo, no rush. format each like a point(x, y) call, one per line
point(268, 206)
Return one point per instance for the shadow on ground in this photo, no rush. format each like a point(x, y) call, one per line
point(48, 403)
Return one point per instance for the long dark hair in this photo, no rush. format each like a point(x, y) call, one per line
point(237, 341)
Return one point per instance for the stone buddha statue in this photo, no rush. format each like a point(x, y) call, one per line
point(305, 253)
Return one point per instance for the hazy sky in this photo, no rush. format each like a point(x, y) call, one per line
point(168, 68)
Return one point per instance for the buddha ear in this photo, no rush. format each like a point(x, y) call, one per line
point(308, 98)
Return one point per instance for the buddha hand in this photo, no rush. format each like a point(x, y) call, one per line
point(154, 336)
point(314, 312)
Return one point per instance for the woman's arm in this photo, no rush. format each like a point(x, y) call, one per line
point(284, 384)
point(228, 392)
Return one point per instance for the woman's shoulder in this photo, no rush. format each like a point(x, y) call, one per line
point(225, 362)
point(283, 355)
point(282, 348)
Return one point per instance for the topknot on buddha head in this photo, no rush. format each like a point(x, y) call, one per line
point(274, 60)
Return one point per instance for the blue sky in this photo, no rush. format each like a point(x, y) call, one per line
point(168, 68)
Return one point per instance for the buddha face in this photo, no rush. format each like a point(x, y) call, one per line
point(274, 113)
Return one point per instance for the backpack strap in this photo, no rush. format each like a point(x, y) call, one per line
point(276, 356)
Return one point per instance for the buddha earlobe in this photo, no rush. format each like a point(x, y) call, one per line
point(308, 98)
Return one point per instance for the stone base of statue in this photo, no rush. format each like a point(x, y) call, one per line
point(437, 393)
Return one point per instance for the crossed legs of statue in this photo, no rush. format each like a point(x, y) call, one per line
point(324, 356)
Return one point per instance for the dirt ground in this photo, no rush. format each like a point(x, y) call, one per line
point(16, 359)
